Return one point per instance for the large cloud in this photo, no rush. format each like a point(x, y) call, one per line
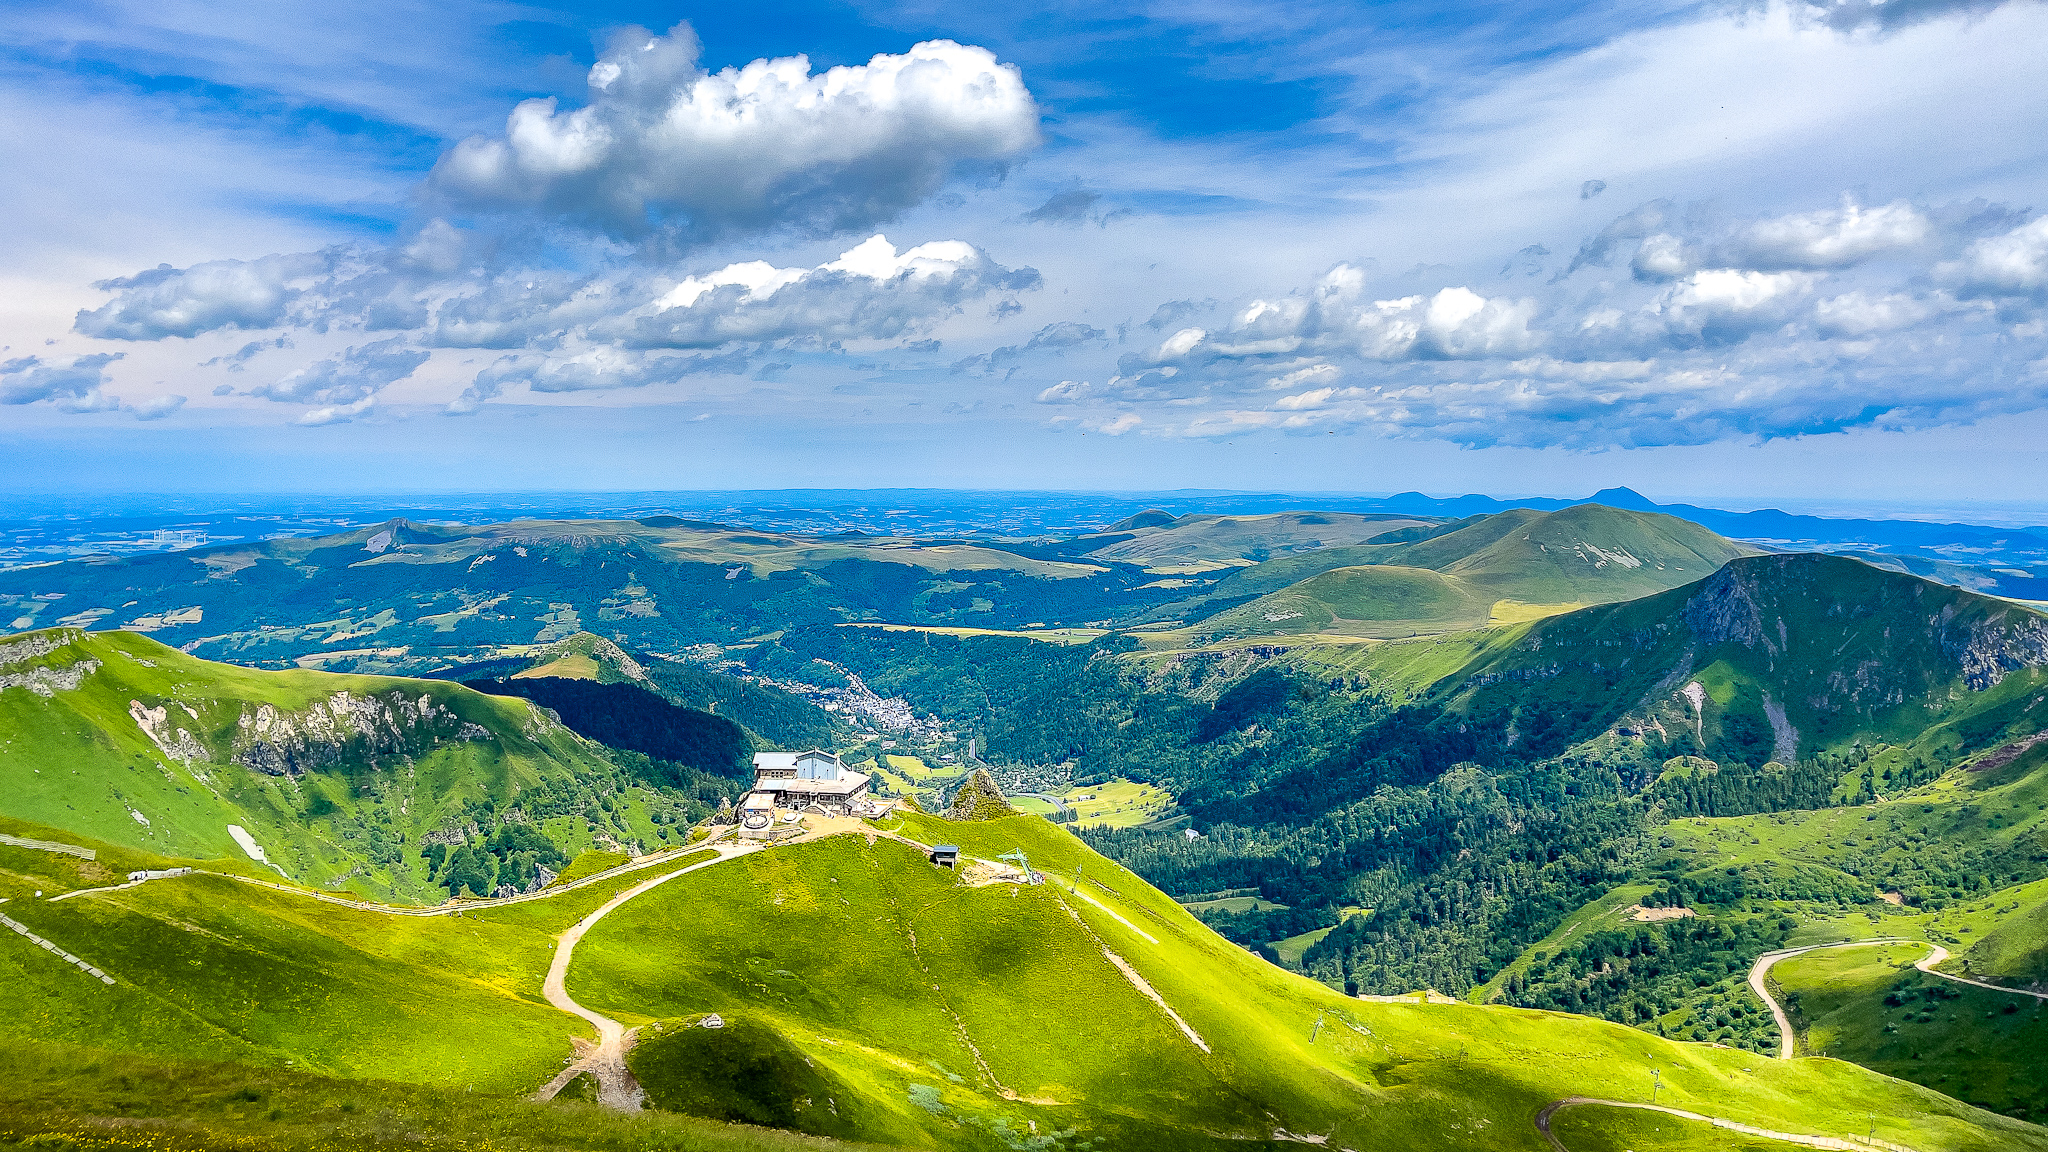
point(767, 146)
point(1794, 324)
point(2013, 264)
point(167, 301)
point(1339, 318)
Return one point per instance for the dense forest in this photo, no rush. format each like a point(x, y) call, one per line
point(688, 744)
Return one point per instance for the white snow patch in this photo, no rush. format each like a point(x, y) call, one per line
point(250, 846)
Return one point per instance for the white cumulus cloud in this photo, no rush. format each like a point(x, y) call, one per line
point(352, 377)
point(2014, 264)
point(871, 291)
point(765, 146)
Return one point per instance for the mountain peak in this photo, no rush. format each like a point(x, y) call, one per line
point(1627, 498)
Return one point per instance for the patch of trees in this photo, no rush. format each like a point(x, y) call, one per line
point(1257, 695)
point(1739, 789)
point(1255, 929)
point(1634, 975)
point(513, 856)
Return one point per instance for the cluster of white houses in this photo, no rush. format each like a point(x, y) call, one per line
point(813, 781)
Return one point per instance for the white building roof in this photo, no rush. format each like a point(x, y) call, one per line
point(847, 784)
point(785, 761)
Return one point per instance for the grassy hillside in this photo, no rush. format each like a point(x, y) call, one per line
point(2016, 951)
point(347, 780)
point(1589, 553)
point(206, 967)
point(870, 995)
point(1870, 1005)
point(1512, 564)
point(1365, 601)
point(930, 1010)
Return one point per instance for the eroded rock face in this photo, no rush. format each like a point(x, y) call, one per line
point(1726, 611)
point(177, 743)
point(344, 726)
point(45, 681)
point(1885, 642)
point(50, 681)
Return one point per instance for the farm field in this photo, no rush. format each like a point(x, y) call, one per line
point(1232, 904)
point(1117, 803)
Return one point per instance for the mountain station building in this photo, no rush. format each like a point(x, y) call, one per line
point(804, 781)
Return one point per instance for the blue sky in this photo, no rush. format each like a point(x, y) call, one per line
point(1771, 252)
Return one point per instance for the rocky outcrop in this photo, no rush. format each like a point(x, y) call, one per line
point(177, 743)
point(1725, 610)
point(50, 681)
point(32, 647)
point(345, 727)
point(44, 681)
point(1987, 651)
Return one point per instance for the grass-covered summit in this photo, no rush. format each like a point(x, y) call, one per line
point(1505, 566)
point(979, 798)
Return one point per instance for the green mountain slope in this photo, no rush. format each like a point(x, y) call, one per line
point(345, 780)
point(1769, 657)
point(1200, 539)
point(781, 718)
point(2016, 951)
point(1381, 601)
point(1587, 554)
point(869, 994)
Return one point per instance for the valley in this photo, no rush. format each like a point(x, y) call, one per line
point(1613, 788)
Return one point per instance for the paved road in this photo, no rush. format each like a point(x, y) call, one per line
point(1845, 1144)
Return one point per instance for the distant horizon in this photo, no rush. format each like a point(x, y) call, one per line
point(649, 501)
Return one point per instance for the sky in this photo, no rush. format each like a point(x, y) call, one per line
point(1746, 252)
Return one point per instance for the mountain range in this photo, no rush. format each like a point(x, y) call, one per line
point(1573, 770)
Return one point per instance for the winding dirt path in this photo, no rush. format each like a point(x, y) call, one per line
point(652, 860)
point(606, 1060)
point(1844, 1144)
point(1939, 954)
point(1788, 1040)
point(1788, 1043)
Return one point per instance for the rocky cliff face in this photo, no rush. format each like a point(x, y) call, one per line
point(1875, 638)
point(342, 727)
point(43, 680)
